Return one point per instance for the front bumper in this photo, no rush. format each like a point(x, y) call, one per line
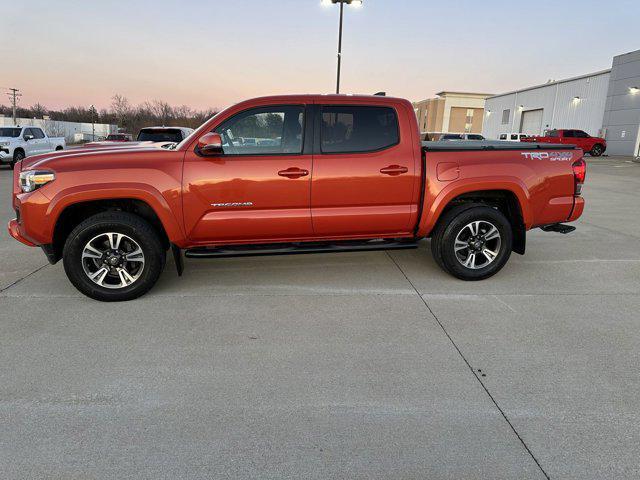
point(5, 155)
point(14, 231)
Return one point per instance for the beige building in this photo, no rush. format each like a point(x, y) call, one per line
point(451, 112)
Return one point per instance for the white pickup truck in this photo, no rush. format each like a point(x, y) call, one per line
point(19, 142)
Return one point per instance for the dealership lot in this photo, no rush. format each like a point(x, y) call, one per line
point(353, 365)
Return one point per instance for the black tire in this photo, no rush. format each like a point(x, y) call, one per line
point(17, 156)
point(596, 150)
point(58, 148)
point(118, 222)
point(453, 224)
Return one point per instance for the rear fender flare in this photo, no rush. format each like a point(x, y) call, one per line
point(436, 206)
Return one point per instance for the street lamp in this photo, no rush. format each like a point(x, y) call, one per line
point(355, 3)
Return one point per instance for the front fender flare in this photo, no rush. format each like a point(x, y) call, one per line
point(132, 190)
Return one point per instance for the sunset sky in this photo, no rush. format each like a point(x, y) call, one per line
point(211, 53)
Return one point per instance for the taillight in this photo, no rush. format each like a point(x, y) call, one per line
point(579, 174)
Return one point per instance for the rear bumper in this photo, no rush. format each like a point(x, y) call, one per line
point(15, 232)
point(578, 208)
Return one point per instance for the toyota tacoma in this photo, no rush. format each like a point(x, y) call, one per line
point(291, 174)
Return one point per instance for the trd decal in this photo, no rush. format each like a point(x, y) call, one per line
point(552, 156)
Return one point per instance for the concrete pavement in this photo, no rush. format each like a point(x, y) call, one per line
point(355, 365)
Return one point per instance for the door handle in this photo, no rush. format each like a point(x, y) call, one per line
point(394, 170)
point(293, 172)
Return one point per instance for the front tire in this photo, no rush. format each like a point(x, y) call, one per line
point(473, 243)
point(18, 155)
point(113, 257)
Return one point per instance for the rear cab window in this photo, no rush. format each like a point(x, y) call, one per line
point(160, 135)
point(357, 129)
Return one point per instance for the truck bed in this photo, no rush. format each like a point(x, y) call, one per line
point(449, 145)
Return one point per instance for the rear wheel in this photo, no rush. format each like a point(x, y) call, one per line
point(596, 150)
point(113, 256)
point(473, 243)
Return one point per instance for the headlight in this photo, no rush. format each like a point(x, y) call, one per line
point(5, 144)
point(33, 179)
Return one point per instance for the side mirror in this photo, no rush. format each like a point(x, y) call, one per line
point(210, 144)
point(28, 137)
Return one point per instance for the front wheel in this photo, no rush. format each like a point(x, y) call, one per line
point(473, 243)
point(113, 256)
point(18, 155)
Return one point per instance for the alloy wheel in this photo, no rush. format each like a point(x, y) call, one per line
point(112, 260)
point(477, 244)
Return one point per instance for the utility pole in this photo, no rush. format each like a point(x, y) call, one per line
point(14, 95)
point(92, 109)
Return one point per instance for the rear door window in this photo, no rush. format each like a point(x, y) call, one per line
point(37, 133)
point(353, 129)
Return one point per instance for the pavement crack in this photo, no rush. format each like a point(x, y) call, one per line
point(473, 372)
point(13, 284)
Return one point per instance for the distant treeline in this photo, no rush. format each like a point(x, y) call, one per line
point(129, 118)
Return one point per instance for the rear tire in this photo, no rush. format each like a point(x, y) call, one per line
point(596, 150)
point(113, 257)
point(472, 242)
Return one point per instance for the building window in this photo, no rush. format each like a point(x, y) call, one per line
point(505, 116)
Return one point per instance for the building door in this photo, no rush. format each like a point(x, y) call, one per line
point(531, 122)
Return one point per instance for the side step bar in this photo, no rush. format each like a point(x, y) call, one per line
point(296, 248)
point(558, 227)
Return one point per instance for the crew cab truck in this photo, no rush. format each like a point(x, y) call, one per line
point(19, 142)
point(594, 146)
point(340, 173)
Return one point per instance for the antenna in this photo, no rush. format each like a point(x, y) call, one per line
point(380, 94)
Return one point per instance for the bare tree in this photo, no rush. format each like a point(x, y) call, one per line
point(38, 110)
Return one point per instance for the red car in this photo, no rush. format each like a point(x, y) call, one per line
point(595, 146)
point(291, 174)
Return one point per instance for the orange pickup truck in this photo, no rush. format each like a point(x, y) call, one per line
point(291, 174)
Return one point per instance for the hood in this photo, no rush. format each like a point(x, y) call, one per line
point(86, 153)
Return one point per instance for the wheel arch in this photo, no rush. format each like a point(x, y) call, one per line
point(511, 199)
point(70, 213)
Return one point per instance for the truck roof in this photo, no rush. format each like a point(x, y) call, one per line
point(324, 96)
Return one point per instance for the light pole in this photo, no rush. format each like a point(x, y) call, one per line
point(355, 3)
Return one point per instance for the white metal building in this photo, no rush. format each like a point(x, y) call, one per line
point(577, 102)
point(605, 104)
point(71, 131)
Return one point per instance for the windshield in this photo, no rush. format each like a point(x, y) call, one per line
point(160, 135)
point(10, 132)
